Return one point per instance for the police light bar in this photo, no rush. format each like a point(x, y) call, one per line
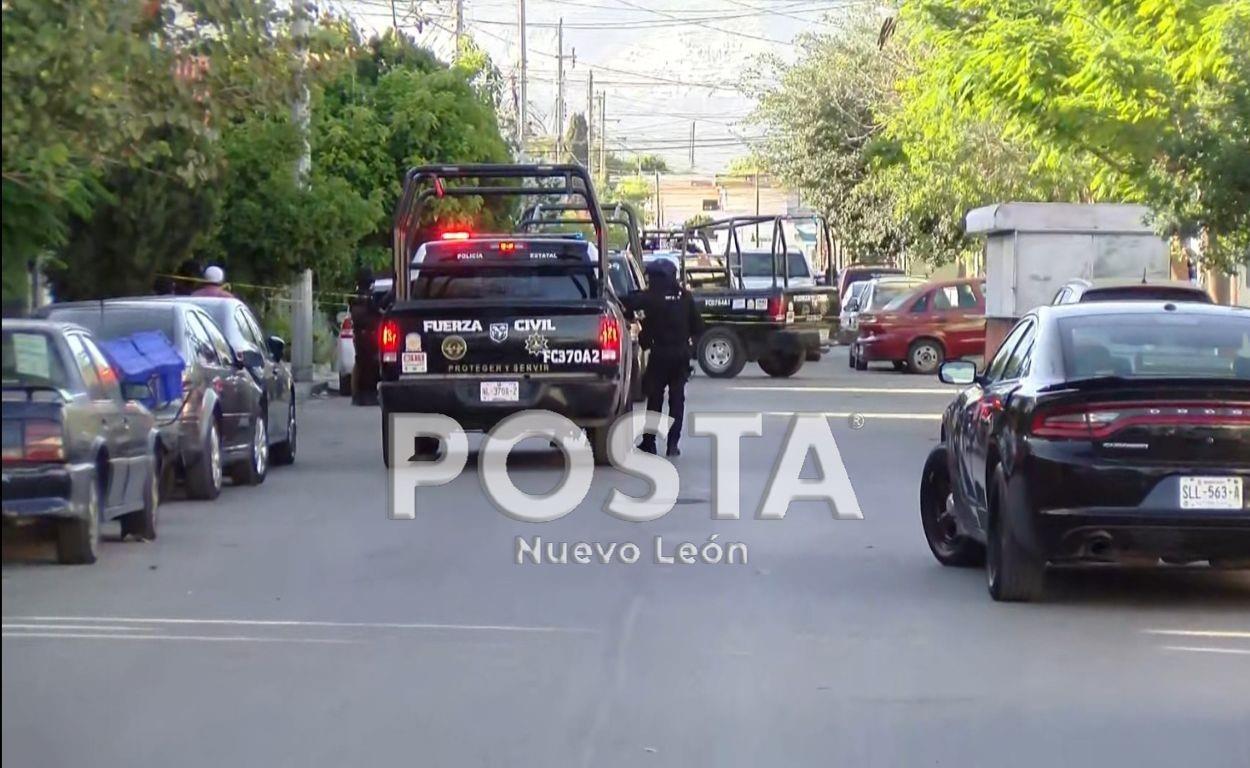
point(455, 235)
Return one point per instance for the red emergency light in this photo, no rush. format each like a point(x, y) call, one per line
point(455, 235)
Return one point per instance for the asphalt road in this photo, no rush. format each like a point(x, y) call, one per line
point(295, 625)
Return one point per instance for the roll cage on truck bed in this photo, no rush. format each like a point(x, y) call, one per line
point(779, 326)
point(483, 326)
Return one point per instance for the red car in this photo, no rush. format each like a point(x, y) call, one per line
point(918, 330)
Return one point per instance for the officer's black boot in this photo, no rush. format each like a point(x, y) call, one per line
point(648, 444)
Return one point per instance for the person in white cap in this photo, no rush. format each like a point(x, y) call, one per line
point(214, 276)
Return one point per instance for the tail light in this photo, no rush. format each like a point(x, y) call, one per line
point(777, 308)
point(609, 339)
point(388, 341)
point(43, 441)
point(1097, 421)
point(345, 332)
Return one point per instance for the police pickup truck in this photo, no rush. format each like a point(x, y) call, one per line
point(751, 317)
point(487, 326)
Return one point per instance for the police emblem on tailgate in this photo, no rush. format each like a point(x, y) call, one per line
point(454, 347)
point(499, 332)
point(536, 343)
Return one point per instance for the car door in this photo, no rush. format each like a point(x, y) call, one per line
point(274, 377)
point(1001, 380)
point(237, 392)
point(965, 321)
point(108, 418)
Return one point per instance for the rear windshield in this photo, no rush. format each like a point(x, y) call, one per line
point(30, 360)
point(760, 265)
point(110, 323)
point(1161, 344)
point(546, 283)
point(884, 293)
point(1158, 293)
point(902, 299)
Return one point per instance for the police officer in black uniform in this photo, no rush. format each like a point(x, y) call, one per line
point(670, 320)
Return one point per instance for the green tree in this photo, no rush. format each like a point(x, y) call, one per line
point(576, 138)
point(1153, 96)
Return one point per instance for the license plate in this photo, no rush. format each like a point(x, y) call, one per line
point(824, 335)
point(413, 362)
point(501, 391)
point(1211, 493)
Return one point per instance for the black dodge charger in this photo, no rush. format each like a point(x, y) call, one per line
point(1098, 433)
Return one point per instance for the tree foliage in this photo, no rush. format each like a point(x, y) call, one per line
point(1152, 95)
point(977, 101)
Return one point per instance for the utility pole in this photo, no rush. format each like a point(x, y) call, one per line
point(659, 212)
point(590, 120)
point(394, 18)
point(560, 91)
point(692, 145)
point(603, 137)
point(459, 25)
point(522, 128)
point(757, 206)
point(301, 287)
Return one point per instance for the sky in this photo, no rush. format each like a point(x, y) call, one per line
point(663, 64)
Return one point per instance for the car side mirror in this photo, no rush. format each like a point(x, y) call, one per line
point(961, 372)
point(249, 358)
point(277, 348)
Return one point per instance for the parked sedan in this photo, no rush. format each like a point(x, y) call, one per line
point(262, 356)
point(1121, 289)
point(920, 329)
point(1105, 432)
point(214, 429)
point(76, 452)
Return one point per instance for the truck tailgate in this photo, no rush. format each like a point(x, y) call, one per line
point(487, 338)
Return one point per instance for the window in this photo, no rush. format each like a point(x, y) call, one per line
point(995, 370)
point(31, 359)
point(82, 359)
point(201, 347)
point(109, 321)
point(922, 303)
point(1017, 361)
point(554, 283)
point(1161, 344)
point(967, 298)
point(108, 377)
point(225, 352)
point(248, 332)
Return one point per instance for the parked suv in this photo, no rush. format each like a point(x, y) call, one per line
point(920, 329)
point(214, 427)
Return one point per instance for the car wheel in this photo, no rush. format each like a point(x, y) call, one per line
point(937, 516)
point(253, 470)
point(204, 477)
point(781, 366)
point(720, 354)
point(850, 356)
point(284, 452)
point(78, 541)
point(925, 356)
point(345, 384)
point(142, 524)
point(861, 362)
point(1012, 573)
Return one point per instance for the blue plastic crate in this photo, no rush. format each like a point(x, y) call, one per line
point(166, 359)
